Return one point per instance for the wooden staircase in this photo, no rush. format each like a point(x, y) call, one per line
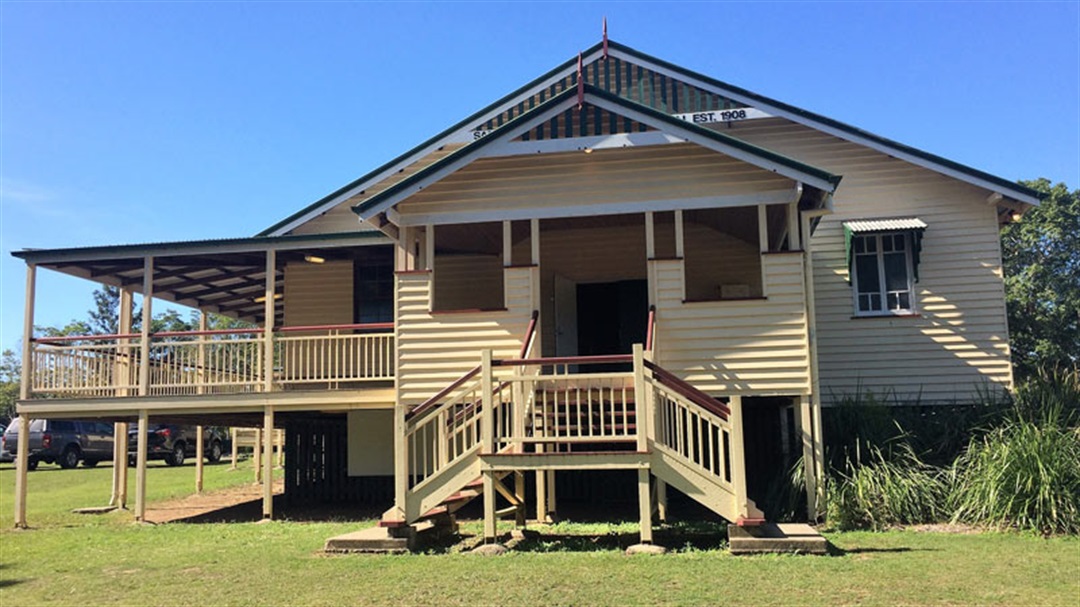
point(496, 423)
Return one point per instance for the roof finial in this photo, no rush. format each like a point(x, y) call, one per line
point(580, 82)
point(605, 38)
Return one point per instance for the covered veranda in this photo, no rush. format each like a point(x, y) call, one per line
point(238, 376)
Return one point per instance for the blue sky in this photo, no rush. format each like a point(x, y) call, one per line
point(130, 122)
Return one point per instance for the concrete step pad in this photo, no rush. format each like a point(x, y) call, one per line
point(373, 539)
point(384, 540)
point(773, 537)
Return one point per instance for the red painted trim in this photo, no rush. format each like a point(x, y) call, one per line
point(468, 311)
point(252, 331)
point(63, 338)
point(651, 331)
point(432, 402)
point(688, 391)
point(565, 360)
point(345, 327)
point(718, 300)
point(750, 522)
point(881, 316)
point(530, 333)
point(208, 332)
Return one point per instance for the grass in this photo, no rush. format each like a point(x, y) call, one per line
point(84, 560)
point(53, 492)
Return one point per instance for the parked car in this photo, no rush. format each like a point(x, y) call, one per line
point(174, 444)
point(5, 455)
point(64, 442)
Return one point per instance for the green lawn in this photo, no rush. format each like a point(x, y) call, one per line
point(81, 560)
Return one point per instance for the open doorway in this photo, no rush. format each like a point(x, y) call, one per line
point(612, 316)
point(599, 318)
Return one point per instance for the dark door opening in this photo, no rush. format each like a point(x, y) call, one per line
point(611, 318)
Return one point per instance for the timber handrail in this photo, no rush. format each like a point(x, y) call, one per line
point(688, 391)
point(433, 402)
point(565, 360)
point(96, 337)
point(530, 335)
point(209, 332)
point(371, 326)
point(248, 331)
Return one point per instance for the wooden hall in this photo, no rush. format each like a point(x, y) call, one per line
point(621, 266)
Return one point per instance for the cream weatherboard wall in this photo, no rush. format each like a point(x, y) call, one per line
point(434, 349)
point(609, 177)
point(757, 346)
point(957, 345)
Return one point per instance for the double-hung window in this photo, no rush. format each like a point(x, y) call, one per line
point(884, 266)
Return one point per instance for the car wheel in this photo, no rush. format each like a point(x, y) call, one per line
point(89, 463)
point(32, 464)
point(176, 458)
point(69, 458)
point(215, 452)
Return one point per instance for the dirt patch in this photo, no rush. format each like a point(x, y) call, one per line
point(200, 505)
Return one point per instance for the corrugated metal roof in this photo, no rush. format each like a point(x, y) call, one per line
point(885, 225)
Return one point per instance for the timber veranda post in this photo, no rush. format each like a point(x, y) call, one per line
point(487, 437)
point(200, 382)
point(269, 311)
point(144, 388)
point(120, 429)
point(268, 462)
point(805, 429)
point(22, 450)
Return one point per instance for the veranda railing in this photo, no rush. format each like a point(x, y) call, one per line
point(212, 362)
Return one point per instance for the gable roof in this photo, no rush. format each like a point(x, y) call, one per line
point(566, 73)
point(691, 132)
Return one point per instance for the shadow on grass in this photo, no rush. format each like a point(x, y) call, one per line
point(9, 583)
point(835, 550)
point(251, 512)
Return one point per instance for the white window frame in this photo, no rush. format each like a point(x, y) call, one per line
point(879, 253)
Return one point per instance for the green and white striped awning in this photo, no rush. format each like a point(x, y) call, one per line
point(893, 224)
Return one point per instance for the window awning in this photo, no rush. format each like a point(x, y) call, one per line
point(883, 226)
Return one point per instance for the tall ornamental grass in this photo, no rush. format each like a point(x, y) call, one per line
point(880, 489)
point(1025, 472)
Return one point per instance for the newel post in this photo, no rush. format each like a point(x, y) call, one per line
point(642, 414)
point(738, 456)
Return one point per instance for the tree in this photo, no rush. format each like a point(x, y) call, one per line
point(1041, 255)
point(10, 369)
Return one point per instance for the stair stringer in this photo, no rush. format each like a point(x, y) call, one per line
point(433, 490)
point(670, 467)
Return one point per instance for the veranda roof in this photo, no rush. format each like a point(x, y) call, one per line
point(223, 276)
